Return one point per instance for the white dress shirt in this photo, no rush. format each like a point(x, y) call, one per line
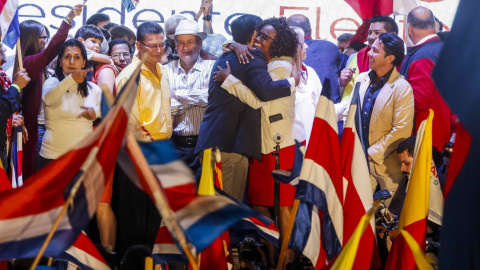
point(189, 95)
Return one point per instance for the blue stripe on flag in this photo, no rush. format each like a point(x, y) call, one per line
point(159, 152)
point(13, 32)
point(301, 227)
point(208, 228)
point(168, 258)
point(128, 5)
point(316, 196)
point(61, 240)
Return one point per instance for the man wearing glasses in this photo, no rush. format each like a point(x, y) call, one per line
point(150, 118)
point(189, 77)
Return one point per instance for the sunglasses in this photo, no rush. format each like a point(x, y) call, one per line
point(263, 36)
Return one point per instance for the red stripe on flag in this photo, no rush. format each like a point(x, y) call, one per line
point(181, 196)
point(354, 210)
point(84, 243)
point(52, 178)
point(2, 4)
point(324, 136)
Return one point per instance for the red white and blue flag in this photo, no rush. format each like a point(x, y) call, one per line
point(9, 22)
point(358, 192)
point(318, 228)
point(202, 218)
point(84, 254)
point(16, 158)
point(29, 212)
point(130, 4)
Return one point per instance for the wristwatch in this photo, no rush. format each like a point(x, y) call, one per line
point(207, 17)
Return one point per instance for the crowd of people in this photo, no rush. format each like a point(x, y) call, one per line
point(242, 96)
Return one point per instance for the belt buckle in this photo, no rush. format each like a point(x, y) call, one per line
point(189, 141)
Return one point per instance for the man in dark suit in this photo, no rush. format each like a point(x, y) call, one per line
point(230, 124)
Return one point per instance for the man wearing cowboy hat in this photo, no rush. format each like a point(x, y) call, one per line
point(189, 78)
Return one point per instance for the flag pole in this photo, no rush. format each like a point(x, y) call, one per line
point(19, 54)
point(159, 198)
point(288, 233)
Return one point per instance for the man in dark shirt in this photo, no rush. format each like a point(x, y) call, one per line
point(386, 101)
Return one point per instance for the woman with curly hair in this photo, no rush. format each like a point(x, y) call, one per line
point(281, 47)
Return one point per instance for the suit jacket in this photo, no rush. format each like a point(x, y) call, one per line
point(391, 121)
point(324, 57)
point(230, 124)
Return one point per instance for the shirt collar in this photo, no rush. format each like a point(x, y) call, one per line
point(423, 40)
point(383, 80)
point(196, 67)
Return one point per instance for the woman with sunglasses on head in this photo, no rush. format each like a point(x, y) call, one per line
point(281, 46)
point(36, 56)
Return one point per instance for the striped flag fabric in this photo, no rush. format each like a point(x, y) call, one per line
point(413, 218)
point(202, 218)
point(403, 7)
point(9, 22)
point(81, 173)
point(130, 4)
point(349, 255)
point(84, 254)
point(318, 227)
point(358, 193)
point(16, 158)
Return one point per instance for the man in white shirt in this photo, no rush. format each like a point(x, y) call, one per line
point(189, 78)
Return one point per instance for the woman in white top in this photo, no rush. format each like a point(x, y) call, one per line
point(71, 103)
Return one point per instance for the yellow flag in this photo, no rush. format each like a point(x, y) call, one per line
point(415, 207)
point(347, 257)
point(206, 181)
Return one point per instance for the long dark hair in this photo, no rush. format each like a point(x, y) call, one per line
point(30, 32)
point(82, 89)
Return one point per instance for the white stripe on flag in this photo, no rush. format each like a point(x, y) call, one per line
point(199, 208)
point(314, 242)
point(329, 110)
point(312, 171)
point(93, 180)
point(264, 229)
point(7, 15)
point(173, 174)
point(31, 226)
point(87, 259)
point(166, 249)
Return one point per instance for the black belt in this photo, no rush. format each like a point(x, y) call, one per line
point(185, 141)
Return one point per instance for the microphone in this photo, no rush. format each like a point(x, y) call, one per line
point(277, 138)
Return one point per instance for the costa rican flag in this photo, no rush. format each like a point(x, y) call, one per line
point(318, 228)
point(9, 22)
point(16, 159)
point(202, 218)
point(358, 193)
point(84, 254)
point(29, 212)
point(130, 4)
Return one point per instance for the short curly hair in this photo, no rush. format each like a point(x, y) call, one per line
point(285, 42)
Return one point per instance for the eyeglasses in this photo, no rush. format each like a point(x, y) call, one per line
point(263, 36)
point(126, 55)
point(45, 37)
point(154, 47)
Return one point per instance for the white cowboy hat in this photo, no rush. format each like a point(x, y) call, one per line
point(189, 27)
